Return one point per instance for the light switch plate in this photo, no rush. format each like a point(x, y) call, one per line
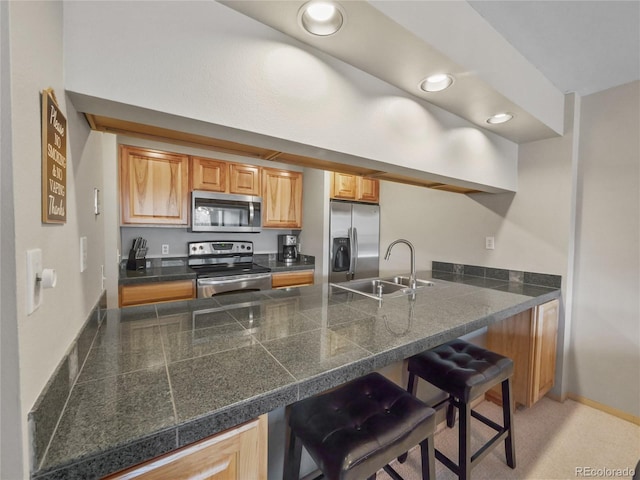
point(34, 287)
point(83, 254)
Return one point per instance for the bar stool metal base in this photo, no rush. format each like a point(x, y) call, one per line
point(439, 368)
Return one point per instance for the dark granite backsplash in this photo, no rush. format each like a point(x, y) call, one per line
point(45, 413)
point(541, 279)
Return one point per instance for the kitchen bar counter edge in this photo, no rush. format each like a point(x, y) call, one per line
point(463, 304)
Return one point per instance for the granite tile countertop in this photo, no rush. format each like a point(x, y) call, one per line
point(162, 376)
point(167, 270)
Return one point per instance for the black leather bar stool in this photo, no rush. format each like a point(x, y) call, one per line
point(357, 429)
point(466, 371)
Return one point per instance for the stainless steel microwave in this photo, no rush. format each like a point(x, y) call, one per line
point(225, 212)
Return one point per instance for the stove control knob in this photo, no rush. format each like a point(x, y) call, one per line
point(201, 247)
point(242, 247)
point(193, 248)
point(248, 247)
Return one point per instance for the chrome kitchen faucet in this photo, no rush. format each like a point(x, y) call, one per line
point(412, 275)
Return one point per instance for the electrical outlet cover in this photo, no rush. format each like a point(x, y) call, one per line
point(489, 243)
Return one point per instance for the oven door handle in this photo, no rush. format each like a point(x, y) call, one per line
point(235, 278)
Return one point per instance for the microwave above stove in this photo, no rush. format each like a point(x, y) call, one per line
point(225, 212)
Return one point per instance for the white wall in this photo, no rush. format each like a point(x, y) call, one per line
point(44, 337)
point(10, 414)
point(605, 344)
point(314, 237)
point(223, 68)
point(532, 228)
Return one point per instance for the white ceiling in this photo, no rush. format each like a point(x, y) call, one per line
point(516, 56)
point(580, 46)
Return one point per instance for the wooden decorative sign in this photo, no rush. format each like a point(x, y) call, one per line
point(54, 160)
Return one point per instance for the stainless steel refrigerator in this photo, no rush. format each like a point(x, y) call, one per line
point(354, 241)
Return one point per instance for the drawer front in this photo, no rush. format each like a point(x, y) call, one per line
point(292, 279)
point(154, 292)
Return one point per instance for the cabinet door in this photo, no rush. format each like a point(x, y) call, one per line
point(282, 198)
point(244, 179)
point(153, 187)
point(512, 338)
point(544, 346)
point(343, 186)
point(236, 454)
point(209, 175)
point(368, 190)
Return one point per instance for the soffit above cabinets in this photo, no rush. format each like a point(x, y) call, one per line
point(177, 137)
point(391, 46)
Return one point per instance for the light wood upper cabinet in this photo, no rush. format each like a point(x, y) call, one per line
point(153, 186)
point(367, 189)
point(529, 339)
point(239, 453)
point(281, 198)
point(226, 177)
point(345, 186)
point(208, 174)
point(244, 179)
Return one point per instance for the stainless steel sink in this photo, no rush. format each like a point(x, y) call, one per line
point(400, 280)
point(382, 287)
point(373, 287)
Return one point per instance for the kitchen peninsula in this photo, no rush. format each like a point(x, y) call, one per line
point(159, 377)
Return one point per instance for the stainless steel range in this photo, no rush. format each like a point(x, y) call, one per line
point(226, 267)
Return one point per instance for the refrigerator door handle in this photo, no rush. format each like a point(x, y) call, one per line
point(355, 250)
point(351, 271)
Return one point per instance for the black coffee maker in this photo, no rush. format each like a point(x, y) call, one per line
point(287, 248)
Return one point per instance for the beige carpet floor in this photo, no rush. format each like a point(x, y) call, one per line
point(553, 441)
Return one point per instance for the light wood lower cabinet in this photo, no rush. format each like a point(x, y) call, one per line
point(296, 278)
point(530, 340)
point(239, 453)
point(155, 292)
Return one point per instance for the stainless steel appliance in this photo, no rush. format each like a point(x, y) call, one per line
point(287, 248)
point(225, 212)
point(226, 267)
point(354, 241)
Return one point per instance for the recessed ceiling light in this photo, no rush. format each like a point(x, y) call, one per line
point(436, 83)
point(499, 118)
point(321, 18)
